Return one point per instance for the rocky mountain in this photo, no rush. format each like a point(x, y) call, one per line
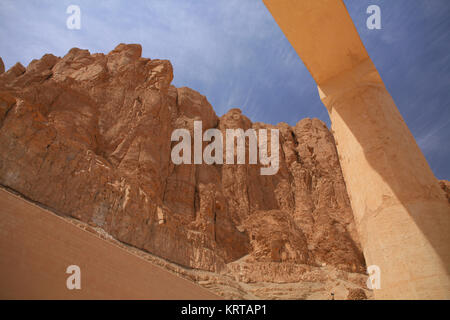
point(89, 137)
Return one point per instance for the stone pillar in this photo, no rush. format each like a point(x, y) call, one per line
point(401, 213)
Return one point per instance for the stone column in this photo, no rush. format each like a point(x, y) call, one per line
point(401, 213)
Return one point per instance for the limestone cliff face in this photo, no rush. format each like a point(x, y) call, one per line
point(89, 137)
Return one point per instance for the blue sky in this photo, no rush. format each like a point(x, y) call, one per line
point(233, 52)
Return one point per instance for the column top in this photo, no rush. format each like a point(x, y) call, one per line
point(322, 33)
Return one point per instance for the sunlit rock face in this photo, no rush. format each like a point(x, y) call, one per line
point(89, 136)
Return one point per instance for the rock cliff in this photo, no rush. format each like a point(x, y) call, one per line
point(88, 136)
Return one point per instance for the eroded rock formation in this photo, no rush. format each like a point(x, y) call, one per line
point(88, 136)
